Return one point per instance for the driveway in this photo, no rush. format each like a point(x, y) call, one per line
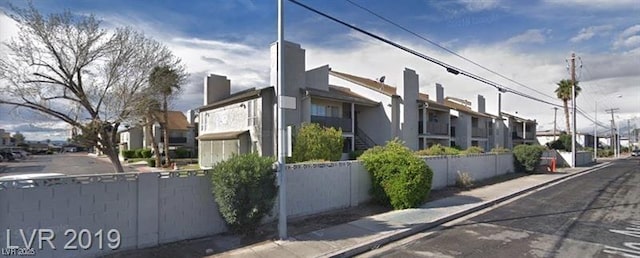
point(64, 163)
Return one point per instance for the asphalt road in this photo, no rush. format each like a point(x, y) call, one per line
point(65, 163)
point(593, 215)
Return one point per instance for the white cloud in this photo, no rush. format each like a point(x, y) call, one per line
point(629, 38)
point(590, 32)
point(528, 37)
point(480, 5)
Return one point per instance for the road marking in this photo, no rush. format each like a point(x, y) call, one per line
point(632, 249)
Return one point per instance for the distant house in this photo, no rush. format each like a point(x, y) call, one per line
point(5, 138)
point(181, 134)
point(521, 130)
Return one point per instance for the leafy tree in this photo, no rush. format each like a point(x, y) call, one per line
point(564, 92)
point(313, 142)
point(68, 67)
point(18, 138)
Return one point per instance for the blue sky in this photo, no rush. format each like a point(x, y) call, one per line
point(527, 41)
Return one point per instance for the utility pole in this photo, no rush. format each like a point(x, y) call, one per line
point(282, 183)
point(555, 114)
point(614, 140)
point(573, 108)
point(629, 134)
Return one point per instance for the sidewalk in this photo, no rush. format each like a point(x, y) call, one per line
point(361, 235)
point(140, 166)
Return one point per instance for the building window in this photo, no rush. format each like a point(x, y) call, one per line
point(252, 112)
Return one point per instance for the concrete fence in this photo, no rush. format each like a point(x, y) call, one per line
point(563, 159)
point(149, 209)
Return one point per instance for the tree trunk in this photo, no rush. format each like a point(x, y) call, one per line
point(165, 132)
point(150, 138)
point(566, 115)
point(108, 148)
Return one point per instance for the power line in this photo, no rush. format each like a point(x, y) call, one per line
point(449, 68)
point(445, 48)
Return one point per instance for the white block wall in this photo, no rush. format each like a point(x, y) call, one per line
point(156, 208)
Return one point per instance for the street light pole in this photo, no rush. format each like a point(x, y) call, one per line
point(282, 183)
point(595, 135)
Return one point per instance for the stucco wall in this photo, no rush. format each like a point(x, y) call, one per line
point(146, 209)
point(155, 208)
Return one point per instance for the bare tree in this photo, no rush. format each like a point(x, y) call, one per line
point(67, 67)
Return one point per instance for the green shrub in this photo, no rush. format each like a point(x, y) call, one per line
point(245, 189)
point(527, 157)
point(182, 153)
point(473, 150)
point(129, 154)
point(355, 154)
point(605, 153)
point(151, 163)
point(499, 150)
point(145, 153)
point(399, 177)
point(562, 143)
point(313, 142)
point(438, 150)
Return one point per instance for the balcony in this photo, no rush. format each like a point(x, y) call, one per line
point(175, 140)
point(479, 132)
point(335, 122)
point(434, 128)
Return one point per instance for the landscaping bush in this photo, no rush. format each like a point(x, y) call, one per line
point(499, 150)
point(527, 157)
point(151, 163)
point(182, 153)
point(313, 142)
point(129, 154)
point(399, 178)
point(245, 189)
point(473, 150)
point(562, 143)
point(145, 153)
point(355, 154)
point(438, 150)
point(464, 180)
point(605, 153)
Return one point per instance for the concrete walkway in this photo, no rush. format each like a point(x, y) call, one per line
point(361, 235)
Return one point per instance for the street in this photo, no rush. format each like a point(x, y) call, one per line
point(64, 163)
point(593, 215)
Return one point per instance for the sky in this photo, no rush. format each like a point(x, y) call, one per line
point(526, 41)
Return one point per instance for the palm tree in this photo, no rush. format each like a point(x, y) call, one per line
point(563, 92)
point(165, 81)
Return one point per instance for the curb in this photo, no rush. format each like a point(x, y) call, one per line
point(358, 249)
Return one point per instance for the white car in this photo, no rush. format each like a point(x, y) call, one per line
point(635, 153)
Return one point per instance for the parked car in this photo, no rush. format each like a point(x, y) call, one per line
point(18, 155)
point(8, 156)
point(635, 153)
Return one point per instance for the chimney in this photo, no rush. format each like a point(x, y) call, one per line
point(294, 65)
point(480, 107)
point(439, 93)
point(216, 88)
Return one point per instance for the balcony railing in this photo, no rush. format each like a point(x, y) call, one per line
point(335, 122)
point(434, 128)
point(479, 132)
point(175, 139)
point(518, 136)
